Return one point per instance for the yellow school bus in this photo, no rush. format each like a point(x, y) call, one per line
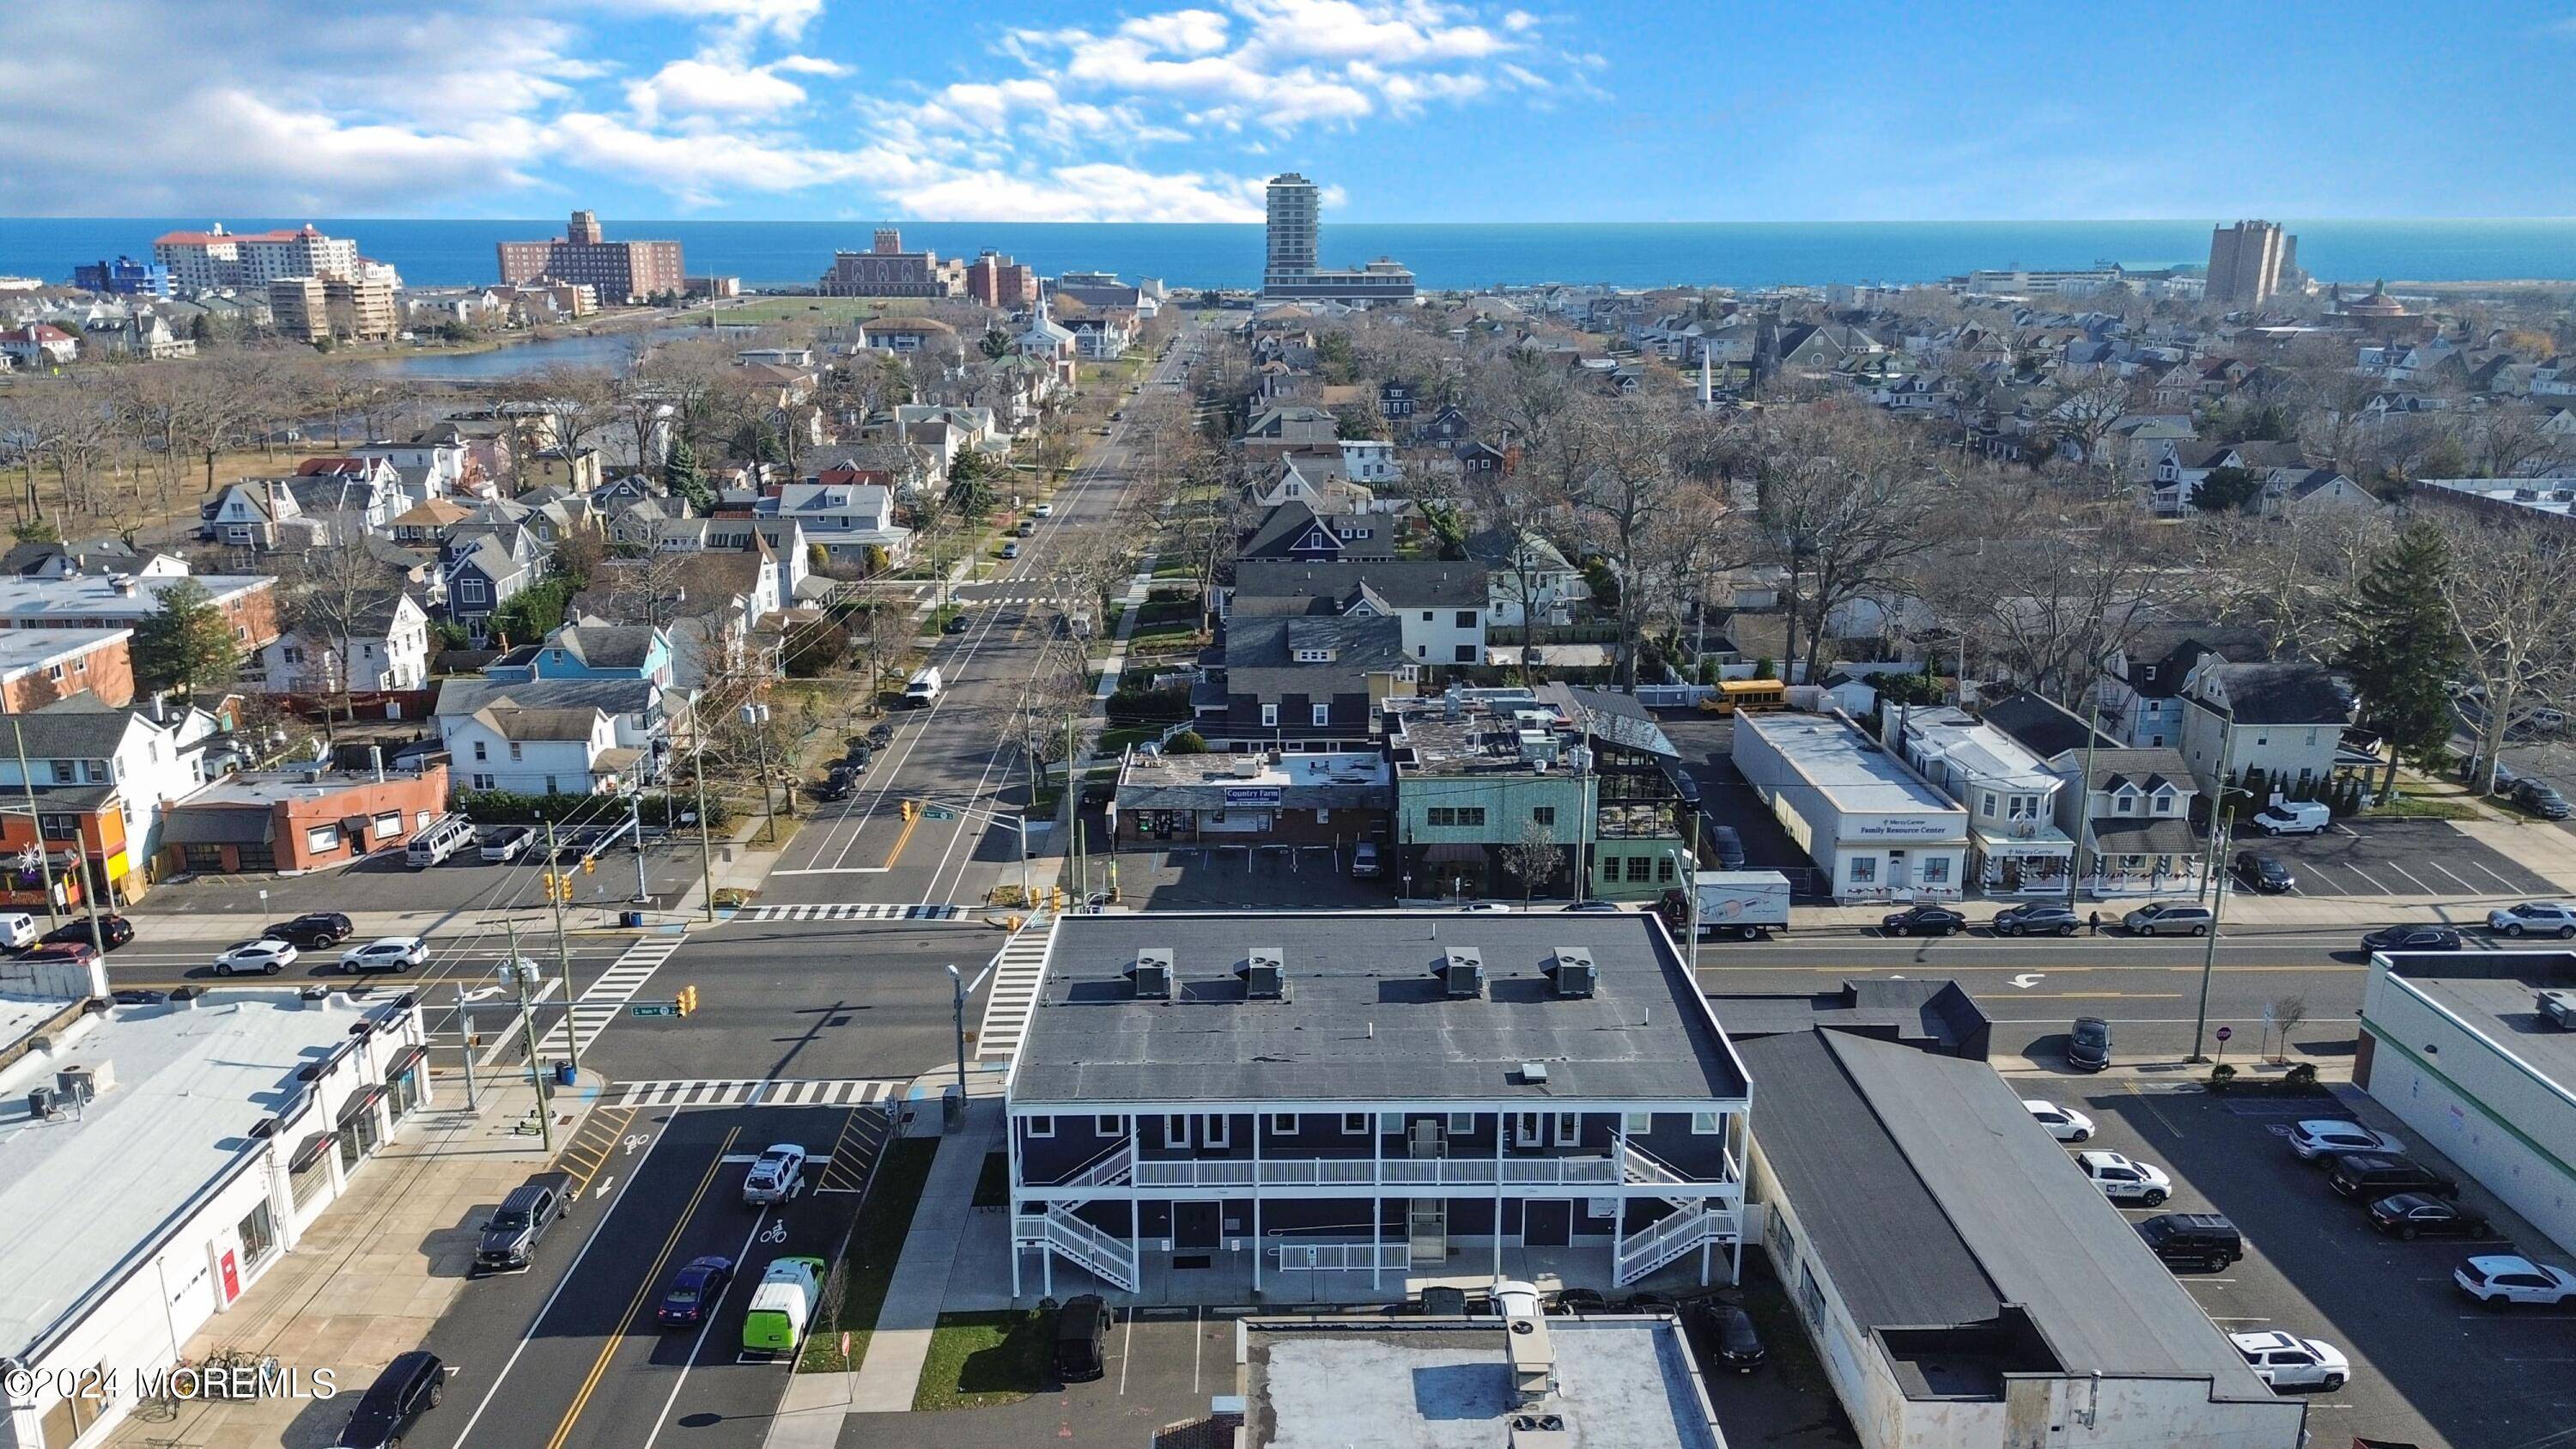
point(1755, 694)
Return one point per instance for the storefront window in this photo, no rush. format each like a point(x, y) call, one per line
point(309, 1172)
point(1864, 870)
point(1936, 870)
point(258, 1235)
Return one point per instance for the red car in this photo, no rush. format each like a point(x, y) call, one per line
point(69, 953)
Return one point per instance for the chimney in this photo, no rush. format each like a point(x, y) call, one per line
point(376, 761)
point(160, 707)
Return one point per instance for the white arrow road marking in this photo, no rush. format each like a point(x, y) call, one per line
point(2028, 979)
point(602, 1189)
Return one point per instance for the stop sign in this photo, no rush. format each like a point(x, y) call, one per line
point(2225, 1032)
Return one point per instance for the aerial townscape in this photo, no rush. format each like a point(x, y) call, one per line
point(1279, 727)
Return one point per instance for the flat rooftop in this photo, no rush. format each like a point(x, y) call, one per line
point(2501, 1007)
point(268, 787)
point(82, 1198)
point(29, 648)
point(100, 596)
point(1622, 1383)
point(1257, 768)
point(1364, 1019)
point(1847, 766)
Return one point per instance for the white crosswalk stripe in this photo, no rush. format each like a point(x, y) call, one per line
point(853, 911)
point(761, 1091)
point(1014, 995)
point(608, 993)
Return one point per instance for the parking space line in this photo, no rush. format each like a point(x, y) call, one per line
point(1126, 1352)
point(2375, 887)
point(2410, 875)
point(2455, 875)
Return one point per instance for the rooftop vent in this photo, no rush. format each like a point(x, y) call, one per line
point(1265, 974)
point(1573, 972)
point(1152, 974)
point(1461, 972)
point(1534, 1074)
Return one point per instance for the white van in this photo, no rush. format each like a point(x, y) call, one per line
point(2294, 817)
point(445, 836)
point(17, 930)
point(922, 690)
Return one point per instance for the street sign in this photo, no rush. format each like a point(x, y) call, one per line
point(937, 812)
point(655, 1008)
point(2225, 1032)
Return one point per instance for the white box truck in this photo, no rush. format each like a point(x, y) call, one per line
point(1745, 904)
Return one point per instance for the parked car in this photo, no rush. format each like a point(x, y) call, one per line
point(2322, 1139)
point(1591, 907)
point(2124, 1179)
point(2265, 873)
point(2088, 1044)
point(2172, 918)
point(1027, 527)
point(17, 930)
point(1043, 510)
point(693, 1291)
point(774, 1175)
point(1365, 864)
point(409, 1387)
point(1010, 550)
point(2063, 1123)
point(2412, 1215)
point(510, 1238)
point(880, 734)
point(2193, 1240)
point(112, 932)
point(313, 928)
point(2369, 1176)
point(1082, 1338)
point(1579, 1300)
point(2293, 817)
point(391, 953)
point(1726, 843)
point(1684, 785)
point(67, 953)
point(2411, 938)
point(264, 956)
point(506, 844)
point(838, 785)
point(2531, 918)
point(572, 845)
point(2287, 1361)
point(1925, 919)
point(2504, 1278)
point(1729, 1332)
point(2541, 799)
point(2036, 918)
point(137, 996)
point(1486, 908)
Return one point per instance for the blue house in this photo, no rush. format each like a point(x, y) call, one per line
point(124, 277)
point(590, 651)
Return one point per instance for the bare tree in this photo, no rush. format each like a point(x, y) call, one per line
point(2286, 1013)
point(2511, 593)
point(1532, 858)
point(338, 596)
point(2288, 577)
point(1846, 501)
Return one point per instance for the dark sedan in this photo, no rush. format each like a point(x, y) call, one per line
point(2412, 938)
point(2268, 874)
point(1727, 1331)
point(2412, 1215)
point(2036, 918)
point(113, 931)
point(313, 928)
point(693, 1292)
point(1924, 920)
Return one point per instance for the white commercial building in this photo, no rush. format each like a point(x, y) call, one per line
point(2009, 794)
point(1875, 828)
point(155, 1161)
point(2455, 1045)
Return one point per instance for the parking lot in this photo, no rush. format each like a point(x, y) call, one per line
point(1163, 1365)
point(2429, 1366)
point(1724, 798)
point(1243, 877)
point(2399, 858)
point(382, 882)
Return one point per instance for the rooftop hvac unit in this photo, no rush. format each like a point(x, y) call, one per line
point(1461, 972)
point(84, 1083)
point(1573, 972)
point(1265, 974)
point(1152, 974)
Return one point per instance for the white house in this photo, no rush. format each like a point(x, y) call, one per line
point(541, 736)
point(388, 649)
point(1528, 578)
point(1368, 460)
point(1872, 826)
point(2015, 846)
point(845, 518)
point(1441, 605)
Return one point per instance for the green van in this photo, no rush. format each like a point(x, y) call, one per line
point(783, 1305)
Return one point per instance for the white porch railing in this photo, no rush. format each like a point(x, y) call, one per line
point(1407, 1172)
point(1343, 1257)
point(1666, 1239)
point(1109, 1169)
point(1111, 1259)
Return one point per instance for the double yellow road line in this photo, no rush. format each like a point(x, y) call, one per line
point(643, 1290)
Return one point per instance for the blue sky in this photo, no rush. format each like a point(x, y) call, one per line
point(1408, 110)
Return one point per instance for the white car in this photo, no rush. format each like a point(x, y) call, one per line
point(2535, 918)
point(773, 1174)
point(1486, 908)
point(2323, 1139)
point(392, 953)
point(2063, 1123)
point(2287, 1361)
point(2508, 1278)
point(264, 956)
point(2124, 1179)
point(1043, 510)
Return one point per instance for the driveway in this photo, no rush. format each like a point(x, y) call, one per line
point(1705, 742)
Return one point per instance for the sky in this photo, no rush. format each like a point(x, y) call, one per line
point(1405, 110)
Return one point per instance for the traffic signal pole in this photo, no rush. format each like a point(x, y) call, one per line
point(559, 885)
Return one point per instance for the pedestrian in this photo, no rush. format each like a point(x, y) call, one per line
point(2093, 923)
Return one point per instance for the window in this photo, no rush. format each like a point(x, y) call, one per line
point(202, 859)
point(1216, 1130)
point(516, 752)
point(483, 782)
point(550, 786)
point(1811, 1294)
point(1936, 870)
point(2164, 802)
point(302, 1182)
point(1567, 1129)
point(1987, 805)
point(258, 1235)
point(1864, 869)
point(1323, 714)
point(1461, 1123)
point(81, 665)
point(65, 772)
point(59, 827)
point(1707, 1124)
point(481, 751)
point(469, 591)
point(1636, 1121)
point(1176, 1130)
point(321, 838)
point(1269, 716)
point(1640, 867)
point(1543, 814)
point(94, 771)
point(1426, 616)
point(1466, 618)
point(1041, 1126)
point(1609, 868)
point(1355, 1124)
point(1109, 1126)
point(2125, 803)
point(1421, 651)
point(54, 671)
point(389, 823)
point(1663, 870)
point(1466, 654)
point(1283, 1123)
point(1457, 814)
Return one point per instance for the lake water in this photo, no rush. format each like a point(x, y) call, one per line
point(610, 350)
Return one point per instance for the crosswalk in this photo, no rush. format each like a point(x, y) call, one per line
point(1014, 993)
point(608, 994)
point(761, 1091)
point(851, 911)
point(1005, 596)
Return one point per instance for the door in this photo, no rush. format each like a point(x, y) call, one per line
point(1547, 1224)
point(1194, 1227)
point(1898, 868)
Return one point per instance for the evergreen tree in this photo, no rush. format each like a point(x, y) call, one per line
point(2404, 650)
point(185, 644)
point(2227, 489)
point(680, 475)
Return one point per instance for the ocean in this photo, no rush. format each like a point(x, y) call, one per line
point(1739, 254)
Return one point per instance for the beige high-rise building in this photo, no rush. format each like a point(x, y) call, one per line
point(2247, 261)
point(313, 309)
point(621, 272)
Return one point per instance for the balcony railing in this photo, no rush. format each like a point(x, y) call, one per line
point(1389, 1172)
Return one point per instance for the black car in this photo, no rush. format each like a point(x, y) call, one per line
point(409, 1387)
point(693, 1289)
point(510, 1239)
point(1728, 1331)
point(573, 845)
point(2088, 1045)
point(2264, 873)
point(841, 784)
point(113, 931)
point(1082, 1338)
point(1924, 920)
point(2412, 1215)
point(879, 733)
point(1443, 1302)
point(313, 928)
point(2412, 938)
point(1592, 907)
point(1727, 844)
point(2036, 918)
point(2193, 1240)
point(2370, 1176)
point(1579, 1300)
point(856, 761)
point(2541, 799)
point(138, 996)
point(956, 624)
point(1685, 787)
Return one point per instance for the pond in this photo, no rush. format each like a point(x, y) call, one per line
point(610, 350)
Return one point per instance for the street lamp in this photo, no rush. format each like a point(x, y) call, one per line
point(963, 990)
point(757, 716)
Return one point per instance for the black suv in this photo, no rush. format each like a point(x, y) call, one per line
point(313, 928)
point(2264, 873)
point(1924, 920)
point(2370, 1176)
point(2036, 918)
point(1082, 1338)
point(113, 931)
point(510, 1238)
point(2538, 797)
point(409, 1387)
point(2193, 1240)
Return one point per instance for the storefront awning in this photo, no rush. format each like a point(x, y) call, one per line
point(2045, 843)
point(209, 825)
point(361, 1104)
point(1449, 853)
point(404, 1060)
point(308, 1151)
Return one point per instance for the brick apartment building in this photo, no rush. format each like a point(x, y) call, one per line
point(887, 270)
point(996, 281)
point(121, 601)
point(619, 272)
point(318, 309)
point(297, 820)
point(40, 666)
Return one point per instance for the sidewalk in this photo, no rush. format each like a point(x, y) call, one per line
point(2247, 912)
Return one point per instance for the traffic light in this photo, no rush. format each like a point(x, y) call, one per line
point(688, 1001)
point(557, 885)
point(589, 863)
point(911, 810)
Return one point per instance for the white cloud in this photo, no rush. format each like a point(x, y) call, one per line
point(1098, 191)
point(710, 87)
point(745, 19)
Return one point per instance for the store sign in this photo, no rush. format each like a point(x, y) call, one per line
point(1904, 827)
point(1252, 795)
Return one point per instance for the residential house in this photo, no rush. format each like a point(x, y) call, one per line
point(1294, 531)
point(1102, 336)
point(293, 821)
point(2014, 844)
point(248, 602)
point(1369, 460)
point(100, 556)
point(260, 514)
point(101, 777)
point(2142, 680)
point(2285, 718)
point(1440, 606)
point(484, 567)
point(1396, 402)
point(2133, 831)
point(1314, 478)
point(38, 346)
point(425, 525)
point(1295, 426)
point(2182, 466)
point(590, 649)
point(387, 648)
point(552, 736)
point(1528, 579)
point(1446, 427)
point(847, 519)
point(1316, 682)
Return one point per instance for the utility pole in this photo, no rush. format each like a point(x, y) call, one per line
point(35, 822)
point(528, 1026)
point(2084, 805)
point(635, 818)
point(563, 948)
point(465, 1030)
point(2212, 883)
point(963, 991)
point(757, 716)
point(706, 852)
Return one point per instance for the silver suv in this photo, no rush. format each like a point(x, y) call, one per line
point(2174, 918)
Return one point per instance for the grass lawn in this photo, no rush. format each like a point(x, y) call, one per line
point(858, 1286)
point(800, 309)
point(981, 1359)
point(1176, 569)
point(1162, 638)
point(2410, 807)
point(1113, 741)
